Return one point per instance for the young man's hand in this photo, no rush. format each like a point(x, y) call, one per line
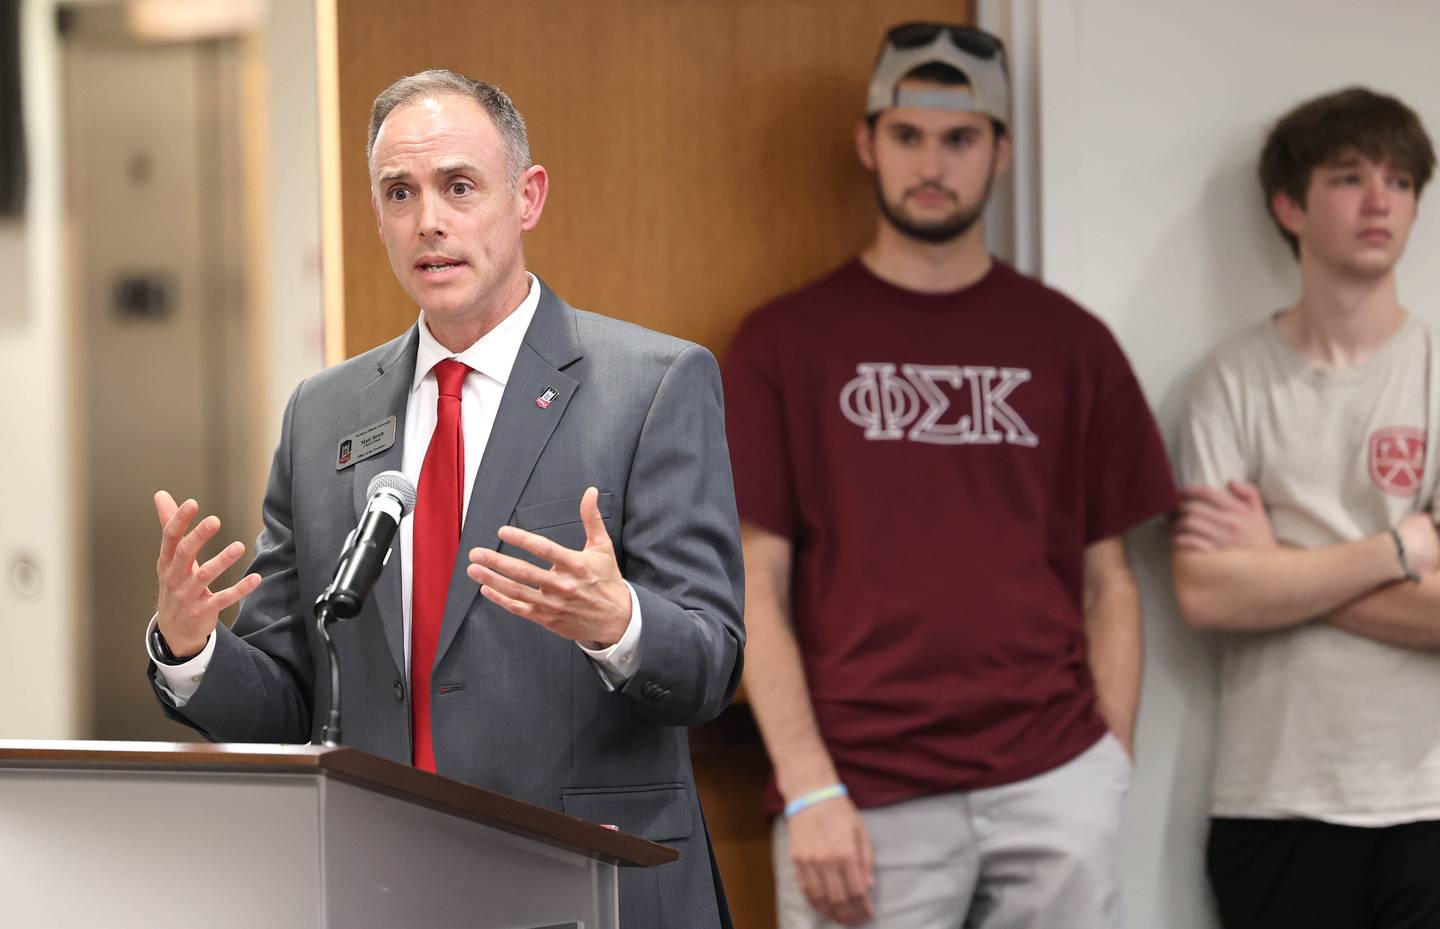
point(1422, 546)
point(834, 864)
point(1213, 519)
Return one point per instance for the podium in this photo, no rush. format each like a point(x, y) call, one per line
point(160, 835)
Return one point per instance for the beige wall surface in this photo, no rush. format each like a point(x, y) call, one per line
point(292, 308)
point(44, 614)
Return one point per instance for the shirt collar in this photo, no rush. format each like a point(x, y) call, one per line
point(493, 354)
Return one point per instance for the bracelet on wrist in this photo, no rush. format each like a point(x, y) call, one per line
point(1405, 568)
point(807, 800)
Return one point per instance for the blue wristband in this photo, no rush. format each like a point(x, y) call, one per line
point(805, 801)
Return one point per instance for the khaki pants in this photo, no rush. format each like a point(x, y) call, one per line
point(1036, 854)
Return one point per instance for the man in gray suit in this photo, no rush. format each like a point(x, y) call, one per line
point(600, 611)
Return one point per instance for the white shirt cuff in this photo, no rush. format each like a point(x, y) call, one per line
point(616, 663)
point(179, 681)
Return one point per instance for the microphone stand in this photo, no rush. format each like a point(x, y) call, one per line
point(362, 558)
point(330, 735)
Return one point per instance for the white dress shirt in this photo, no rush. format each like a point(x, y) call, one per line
point(490, 359)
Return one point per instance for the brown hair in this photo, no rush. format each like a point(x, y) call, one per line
point(1319, 131)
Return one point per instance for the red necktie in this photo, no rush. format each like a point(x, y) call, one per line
point(435, 544)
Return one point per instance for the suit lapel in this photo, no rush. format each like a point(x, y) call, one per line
point(522, 429)
point(383, 397)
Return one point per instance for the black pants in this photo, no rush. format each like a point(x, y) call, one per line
point(1283, 873)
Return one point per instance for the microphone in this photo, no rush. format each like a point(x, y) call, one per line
point(367, 548)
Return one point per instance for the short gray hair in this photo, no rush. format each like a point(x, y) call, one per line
point(442, 83)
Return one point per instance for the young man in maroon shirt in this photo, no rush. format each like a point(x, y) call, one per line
point(935, 460)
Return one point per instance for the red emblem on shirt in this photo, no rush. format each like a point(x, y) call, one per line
point(1397, 459)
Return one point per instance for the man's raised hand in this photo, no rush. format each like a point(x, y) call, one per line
point(187, 609)
point(581, 596)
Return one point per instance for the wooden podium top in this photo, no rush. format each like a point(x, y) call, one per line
point(354, 767)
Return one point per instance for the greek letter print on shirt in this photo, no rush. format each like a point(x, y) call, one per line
point(885, 404)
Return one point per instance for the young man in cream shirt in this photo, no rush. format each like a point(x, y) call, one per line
point(1306, 536)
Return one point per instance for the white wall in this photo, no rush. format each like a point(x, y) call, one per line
point(1151, 118)
point(1012, 219)
point(40, 695)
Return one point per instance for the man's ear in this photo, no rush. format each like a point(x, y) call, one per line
point(865, 143)
point(375, 208)
point(532, 189)
point(1289, 214)
point(1004, 153)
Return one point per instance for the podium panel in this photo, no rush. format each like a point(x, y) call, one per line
point(81, 848)
point(388, 863)
point(164, 836)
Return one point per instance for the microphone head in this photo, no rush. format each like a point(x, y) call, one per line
point(398, 486)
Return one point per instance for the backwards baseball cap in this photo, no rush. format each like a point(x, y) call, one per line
point(975, 52)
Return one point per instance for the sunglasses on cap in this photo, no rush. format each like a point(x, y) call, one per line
point(977, 42)
point(976, 54)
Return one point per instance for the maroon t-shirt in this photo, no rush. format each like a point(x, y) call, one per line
point(940, 462)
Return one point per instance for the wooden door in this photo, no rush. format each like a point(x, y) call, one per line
point(701, 162)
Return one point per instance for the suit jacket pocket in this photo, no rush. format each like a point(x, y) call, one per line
point(539, 516)
point(658, 812)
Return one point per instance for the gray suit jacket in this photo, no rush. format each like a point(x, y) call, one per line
point(515, 708)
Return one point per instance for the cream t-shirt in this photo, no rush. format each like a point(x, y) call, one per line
point(1315, 722)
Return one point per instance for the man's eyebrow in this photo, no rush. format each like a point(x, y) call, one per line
point(901, 125)
point(457, 167)
point(444, 170)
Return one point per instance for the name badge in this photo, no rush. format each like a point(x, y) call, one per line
point(367, 443)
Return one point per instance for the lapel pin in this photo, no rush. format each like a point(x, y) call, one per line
point(544, 400)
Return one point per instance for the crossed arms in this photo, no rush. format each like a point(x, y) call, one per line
point(1231, 573)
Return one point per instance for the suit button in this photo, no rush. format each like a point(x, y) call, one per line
point(399, 690)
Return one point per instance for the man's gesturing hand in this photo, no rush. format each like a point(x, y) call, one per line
point(834, 864)
point(581, 596)
point(188, 610)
